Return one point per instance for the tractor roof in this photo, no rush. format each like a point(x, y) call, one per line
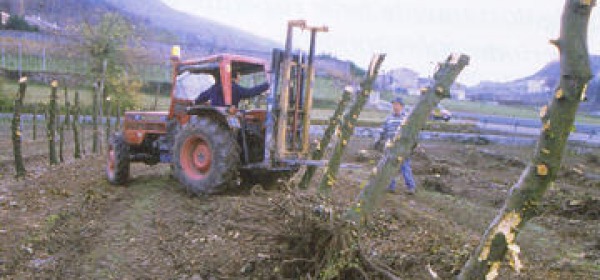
point(226, 56)
point(210, 64)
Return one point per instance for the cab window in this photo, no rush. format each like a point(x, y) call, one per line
point(189, 85)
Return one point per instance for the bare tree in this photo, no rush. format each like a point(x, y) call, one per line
point(51, 123)
point(522, 203)
point(16, 128)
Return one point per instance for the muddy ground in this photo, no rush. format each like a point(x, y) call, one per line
point(67, 222)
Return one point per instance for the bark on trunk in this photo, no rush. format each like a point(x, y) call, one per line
point(51, 127)
point(401, 147)
point(335, 123)
point(349, 122)
point(498, 242)
point(75, 127)
point(16, 129)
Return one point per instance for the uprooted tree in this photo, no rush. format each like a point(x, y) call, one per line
point(327, 245)
point(499, 240)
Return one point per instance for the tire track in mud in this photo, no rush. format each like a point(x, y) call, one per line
point(124, 243)
point(86, 235)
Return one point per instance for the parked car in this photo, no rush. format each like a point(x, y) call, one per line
point(440, 113)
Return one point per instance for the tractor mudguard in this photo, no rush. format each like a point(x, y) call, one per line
point(219, 114)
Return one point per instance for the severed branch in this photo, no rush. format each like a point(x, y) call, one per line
point(348, 124)
point(403, 144)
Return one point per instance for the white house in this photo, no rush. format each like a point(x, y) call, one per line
point(4, 17)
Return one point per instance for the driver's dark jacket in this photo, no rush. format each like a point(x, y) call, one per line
point(215, 94)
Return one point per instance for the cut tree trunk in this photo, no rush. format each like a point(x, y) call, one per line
point(348, 124)
point(118, 120)
point(51, 123)
point(16, 129)
point(95, 144)
point(35, 113)
point(402, 146)
point(67, 109)
point(522, 203)
point(75, 127)
point(335, 123)
point(102, 96)
point(107, 121)
point(61, 140)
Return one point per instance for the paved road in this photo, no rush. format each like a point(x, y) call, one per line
point(520, 122)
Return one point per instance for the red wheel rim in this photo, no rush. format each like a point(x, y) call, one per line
point(196, 157)
point(110, 161)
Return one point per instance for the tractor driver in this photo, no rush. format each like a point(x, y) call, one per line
point(215, 92)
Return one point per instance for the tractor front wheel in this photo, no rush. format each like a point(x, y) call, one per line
point(205, 157)
point(117, 160)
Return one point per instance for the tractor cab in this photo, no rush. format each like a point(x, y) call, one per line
point(193, 77)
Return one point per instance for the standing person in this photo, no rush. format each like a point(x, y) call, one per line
point(390, 128)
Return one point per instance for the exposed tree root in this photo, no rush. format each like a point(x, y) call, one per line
point(318, 244)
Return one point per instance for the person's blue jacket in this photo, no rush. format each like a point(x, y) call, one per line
point(215, 94)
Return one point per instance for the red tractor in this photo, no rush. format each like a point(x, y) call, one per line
point(210, 147)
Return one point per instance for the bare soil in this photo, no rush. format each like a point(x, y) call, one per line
point(67, 222)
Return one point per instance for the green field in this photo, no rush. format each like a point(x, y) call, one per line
point(40, 93)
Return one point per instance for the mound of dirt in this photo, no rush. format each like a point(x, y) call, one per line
point(436, 184)
point(588, 209)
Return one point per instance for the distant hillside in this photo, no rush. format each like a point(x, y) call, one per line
point(152, 18)
point(535, 88)
point(551, 72)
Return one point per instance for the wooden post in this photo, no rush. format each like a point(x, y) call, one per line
point(51, 123)
point(348, 124)
point(156, 97)
point(523, 201)
point(403, 143)
point(75, 127)
point(335, 123)
point(16, 128)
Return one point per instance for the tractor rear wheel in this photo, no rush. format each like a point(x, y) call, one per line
point(205, 157)
point(117, 160)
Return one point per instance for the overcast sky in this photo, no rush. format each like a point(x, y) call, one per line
point(507, 39)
